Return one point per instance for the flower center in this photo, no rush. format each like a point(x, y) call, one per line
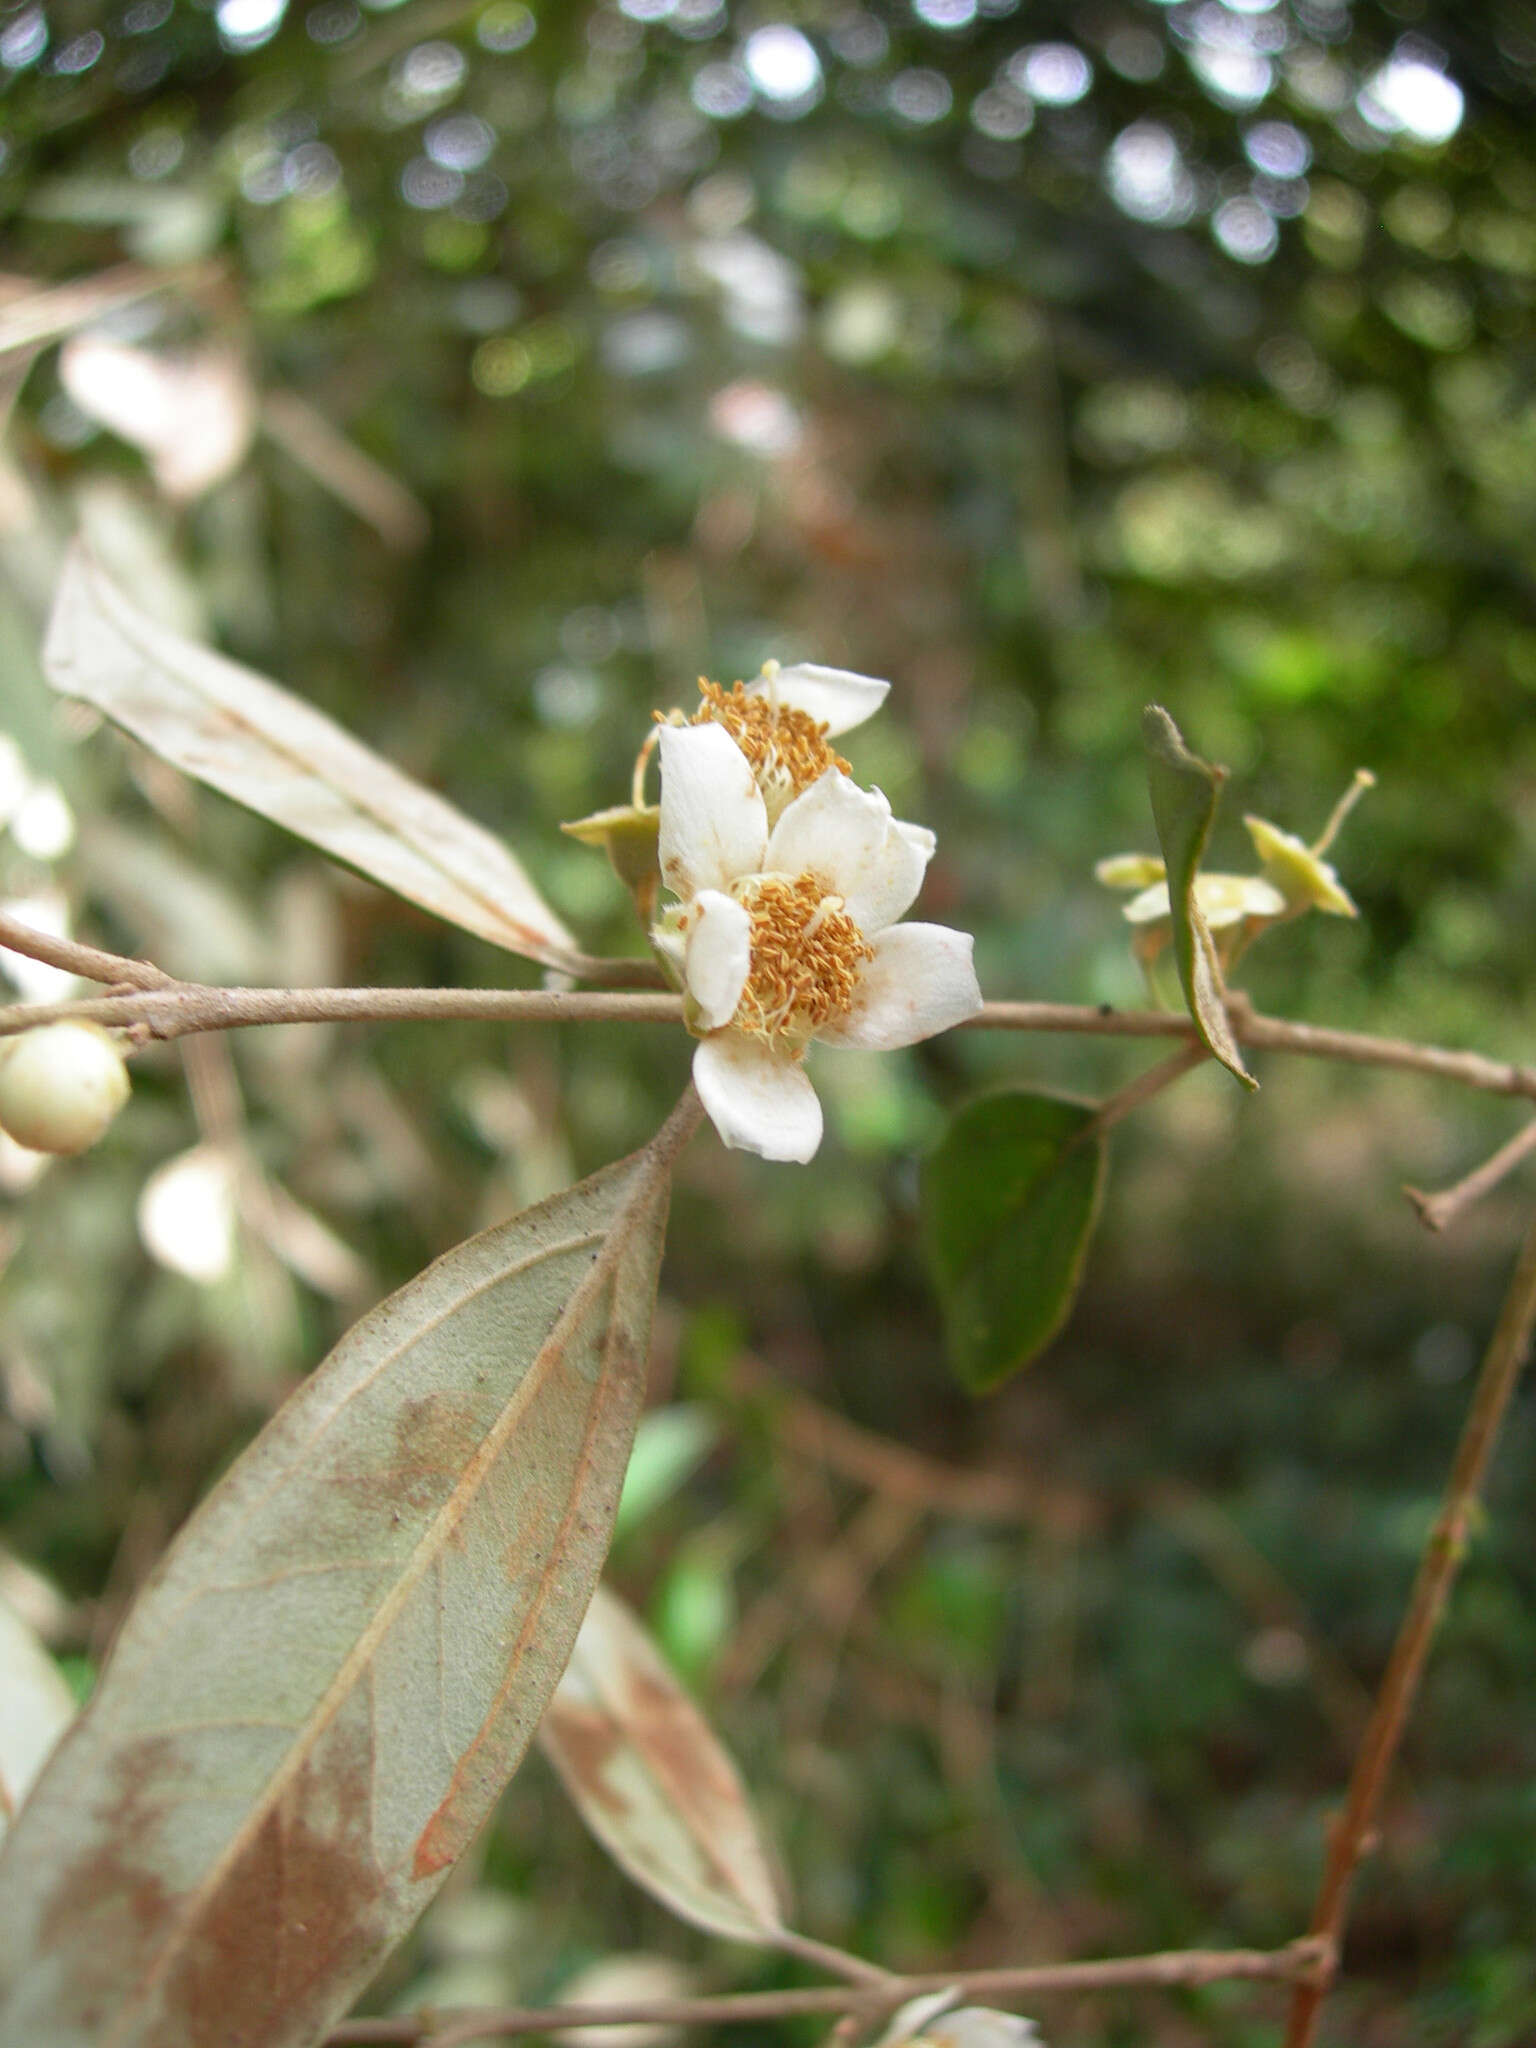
point(785, 748)
point(807, 954)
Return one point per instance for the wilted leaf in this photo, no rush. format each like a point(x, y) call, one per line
point(652, 1782)
point(1185, 791)
point(1010, 1197)
point(36, 1706)
point(265, 748)
point(192, 414)
point(45, 312)
point(336, 1668)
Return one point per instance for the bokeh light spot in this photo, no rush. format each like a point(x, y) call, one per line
point(782, 65)
point(1245, 230)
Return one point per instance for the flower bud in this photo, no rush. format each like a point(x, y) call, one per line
point(60, 1086)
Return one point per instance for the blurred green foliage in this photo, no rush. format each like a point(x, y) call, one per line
point(1048, 358)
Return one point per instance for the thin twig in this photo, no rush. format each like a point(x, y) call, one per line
point(1358, 1048)
point(164, 1008)
point(837, 1962)
point(1438, 1566)
point(1293, 1964)
point(1135, 1094)
point(174, 1012)
point(1437, 1211)
point(89, 961)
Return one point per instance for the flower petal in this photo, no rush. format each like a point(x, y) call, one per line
point(758, 1099)
point(1299, 873)
point(922, 980)
point(1152, 904)
point(1126, 870)
point(719, 956)
point(1228, 899)
point(847, 838)
point(835, 697)
point(713, 823)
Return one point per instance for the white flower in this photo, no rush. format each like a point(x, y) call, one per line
point(1223, 899)
point(783, 719)
point(786, 925)
point(929, 2020)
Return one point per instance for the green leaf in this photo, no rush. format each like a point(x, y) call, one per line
point(648, 1775)
point(1009, 1198)
point(1185, 791)
point(340, 1662)
point(669, 1445)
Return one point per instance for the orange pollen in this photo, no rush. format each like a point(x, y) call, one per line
point(778, 741)
point(807, 955)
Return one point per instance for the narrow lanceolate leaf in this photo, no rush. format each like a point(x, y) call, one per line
point(652, 1782)
point(339, 1663)
point(255, 742)
point(36, 1706)
point(42, 313)
point(1010, 1197)
point(1185, 791)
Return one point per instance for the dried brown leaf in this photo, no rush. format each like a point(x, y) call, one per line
point(650, 1778)
point(246, 736)
point(341, 1660)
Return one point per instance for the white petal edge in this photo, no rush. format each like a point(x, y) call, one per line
point(719, 956)
point(1147, 907)
point(758, 1099)
point(922, 980)
point(837, 698)
point(847, 838)
point(714, 826)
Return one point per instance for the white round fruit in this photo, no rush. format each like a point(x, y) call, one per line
point(60, 1086)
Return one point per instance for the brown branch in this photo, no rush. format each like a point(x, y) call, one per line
point(1437, 1211)
point(1142, 1090)
point(1292, 1965)
point(1438, 1566)
point(1358, 1048)
point(162, 1007)
point(177, 1010)
point(74, 958)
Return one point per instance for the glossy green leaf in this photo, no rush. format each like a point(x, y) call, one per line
point(1010, 1196)
point(338, 1665)
point(1185, 792)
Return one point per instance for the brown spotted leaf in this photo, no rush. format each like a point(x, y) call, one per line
point(340, 1662)
point(650, 1779)
point(266, 748)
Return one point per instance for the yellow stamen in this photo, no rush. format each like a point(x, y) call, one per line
point(807, 955)
point(1363, 781)
point(783, 746)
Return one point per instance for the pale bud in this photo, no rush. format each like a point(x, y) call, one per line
point(60, 1086)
